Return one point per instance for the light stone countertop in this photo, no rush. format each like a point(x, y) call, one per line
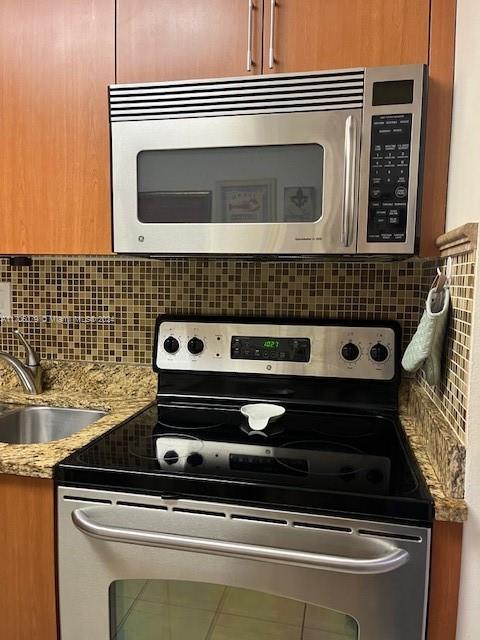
point(122, 391)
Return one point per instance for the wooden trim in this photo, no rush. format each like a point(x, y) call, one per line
point(444, 580)
point(460, 240)
point(439, 123)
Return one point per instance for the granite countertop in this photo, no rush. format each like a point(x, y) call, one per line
point(123, 390)
point(120, 390)
point(447, 508)
point(439, 454)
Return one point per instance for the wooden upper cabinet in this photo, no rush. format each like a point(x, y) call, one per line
point(56, 59)
point(185, 39)
point(334, 34)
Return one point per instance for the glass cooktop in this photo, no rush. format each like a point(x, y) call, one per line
point(330, 462)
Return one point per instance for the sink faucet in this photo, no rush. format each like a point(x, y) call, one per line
point(30, 372)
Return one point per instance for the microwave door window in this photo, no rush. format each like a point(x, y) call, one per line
point(259, 184)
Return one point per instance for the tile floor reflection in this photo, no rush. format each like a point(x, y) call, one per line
point(174, 610)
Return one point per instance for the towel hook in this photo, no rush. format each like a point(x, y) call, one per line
point(442, 280)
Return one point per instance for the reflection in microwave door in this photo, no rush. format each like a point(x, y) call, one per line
point(245, 201)
point(299, 204)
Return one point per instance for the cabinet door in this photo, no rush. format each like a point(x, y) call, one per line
point(56, 59)
point(27, 559)
point(183, 39)
point(333, 34)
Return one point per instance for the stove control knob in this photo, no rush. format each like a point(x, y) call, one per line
point(171, 345)
point(350, 352)
point(379, 352)
point(195, 459)
point(195, 346)
point(171, 457)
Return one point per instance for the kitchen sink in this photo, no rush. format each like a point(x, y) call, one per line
point(33, 425)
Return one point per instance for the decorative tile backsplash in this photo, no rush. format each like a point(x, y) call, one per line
point(452, 394)
point(104, 309)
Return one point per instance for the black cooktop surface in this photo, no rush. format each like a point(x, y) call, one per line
point(352, 464)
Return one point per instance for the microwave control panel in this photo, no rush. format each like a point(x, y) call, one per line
point(389, 173)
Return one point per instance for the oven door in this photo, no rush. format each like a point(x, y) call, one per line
point(137, 567)
point(250, 184)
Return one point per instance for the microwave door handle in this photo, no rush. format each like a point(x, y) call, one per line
point(349, 168)
point(391, 559)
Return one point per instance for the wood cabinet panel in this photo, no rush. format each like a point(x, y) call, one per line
point(180, 39)
point(27, 559)
point(335, 34)
point(56, 59)
point(439, 124)
point(444, 580)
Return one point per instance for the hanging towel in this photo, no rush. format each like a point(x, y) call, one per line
point(426, 346)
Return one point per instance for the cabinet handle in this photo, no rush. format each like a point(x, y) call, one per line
point(249, 35)
point(271, 55)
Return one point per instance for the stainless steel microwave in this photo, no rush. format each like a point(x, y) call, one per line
point(294, 164)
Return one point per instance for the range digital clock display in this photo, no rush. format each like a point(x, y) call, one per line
point(271, 344)
point(267, 348)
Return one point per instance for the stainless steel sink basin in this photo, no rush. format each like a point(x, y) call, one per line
point(30, 425)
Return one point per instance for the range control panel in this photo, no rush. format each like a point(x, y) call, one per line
point(310, 350)
point(389, 174)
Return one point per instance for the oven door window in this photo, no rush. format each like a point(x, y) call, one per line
point(277, 183)
point(173, 610)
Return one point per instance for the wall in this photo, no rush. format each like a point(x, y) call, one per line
point(463, 201)
point(463, 205)
point(469, 604)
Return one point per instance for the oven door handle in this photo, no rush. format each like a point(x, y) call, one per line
point(392, 559)
point(349, 169)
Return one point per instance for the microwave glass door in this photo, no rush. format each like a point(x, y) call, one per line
point(180, 610)
point(241, 185)
point(248, 184)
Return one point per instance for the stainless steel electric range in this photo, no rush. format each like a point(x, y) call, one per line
point(269, 491)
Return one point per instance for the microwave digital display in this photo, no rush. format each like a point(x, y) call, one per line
point(392, 92)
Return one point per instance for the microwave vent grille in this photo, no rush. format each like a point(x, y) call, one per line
point(236, 96)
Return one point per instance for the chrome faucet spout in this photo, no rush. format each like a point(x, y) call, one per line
point(30, 372)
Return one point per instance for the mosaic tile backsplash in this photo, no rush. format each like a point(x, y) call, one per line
point(103, 309)
point(451, 396)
